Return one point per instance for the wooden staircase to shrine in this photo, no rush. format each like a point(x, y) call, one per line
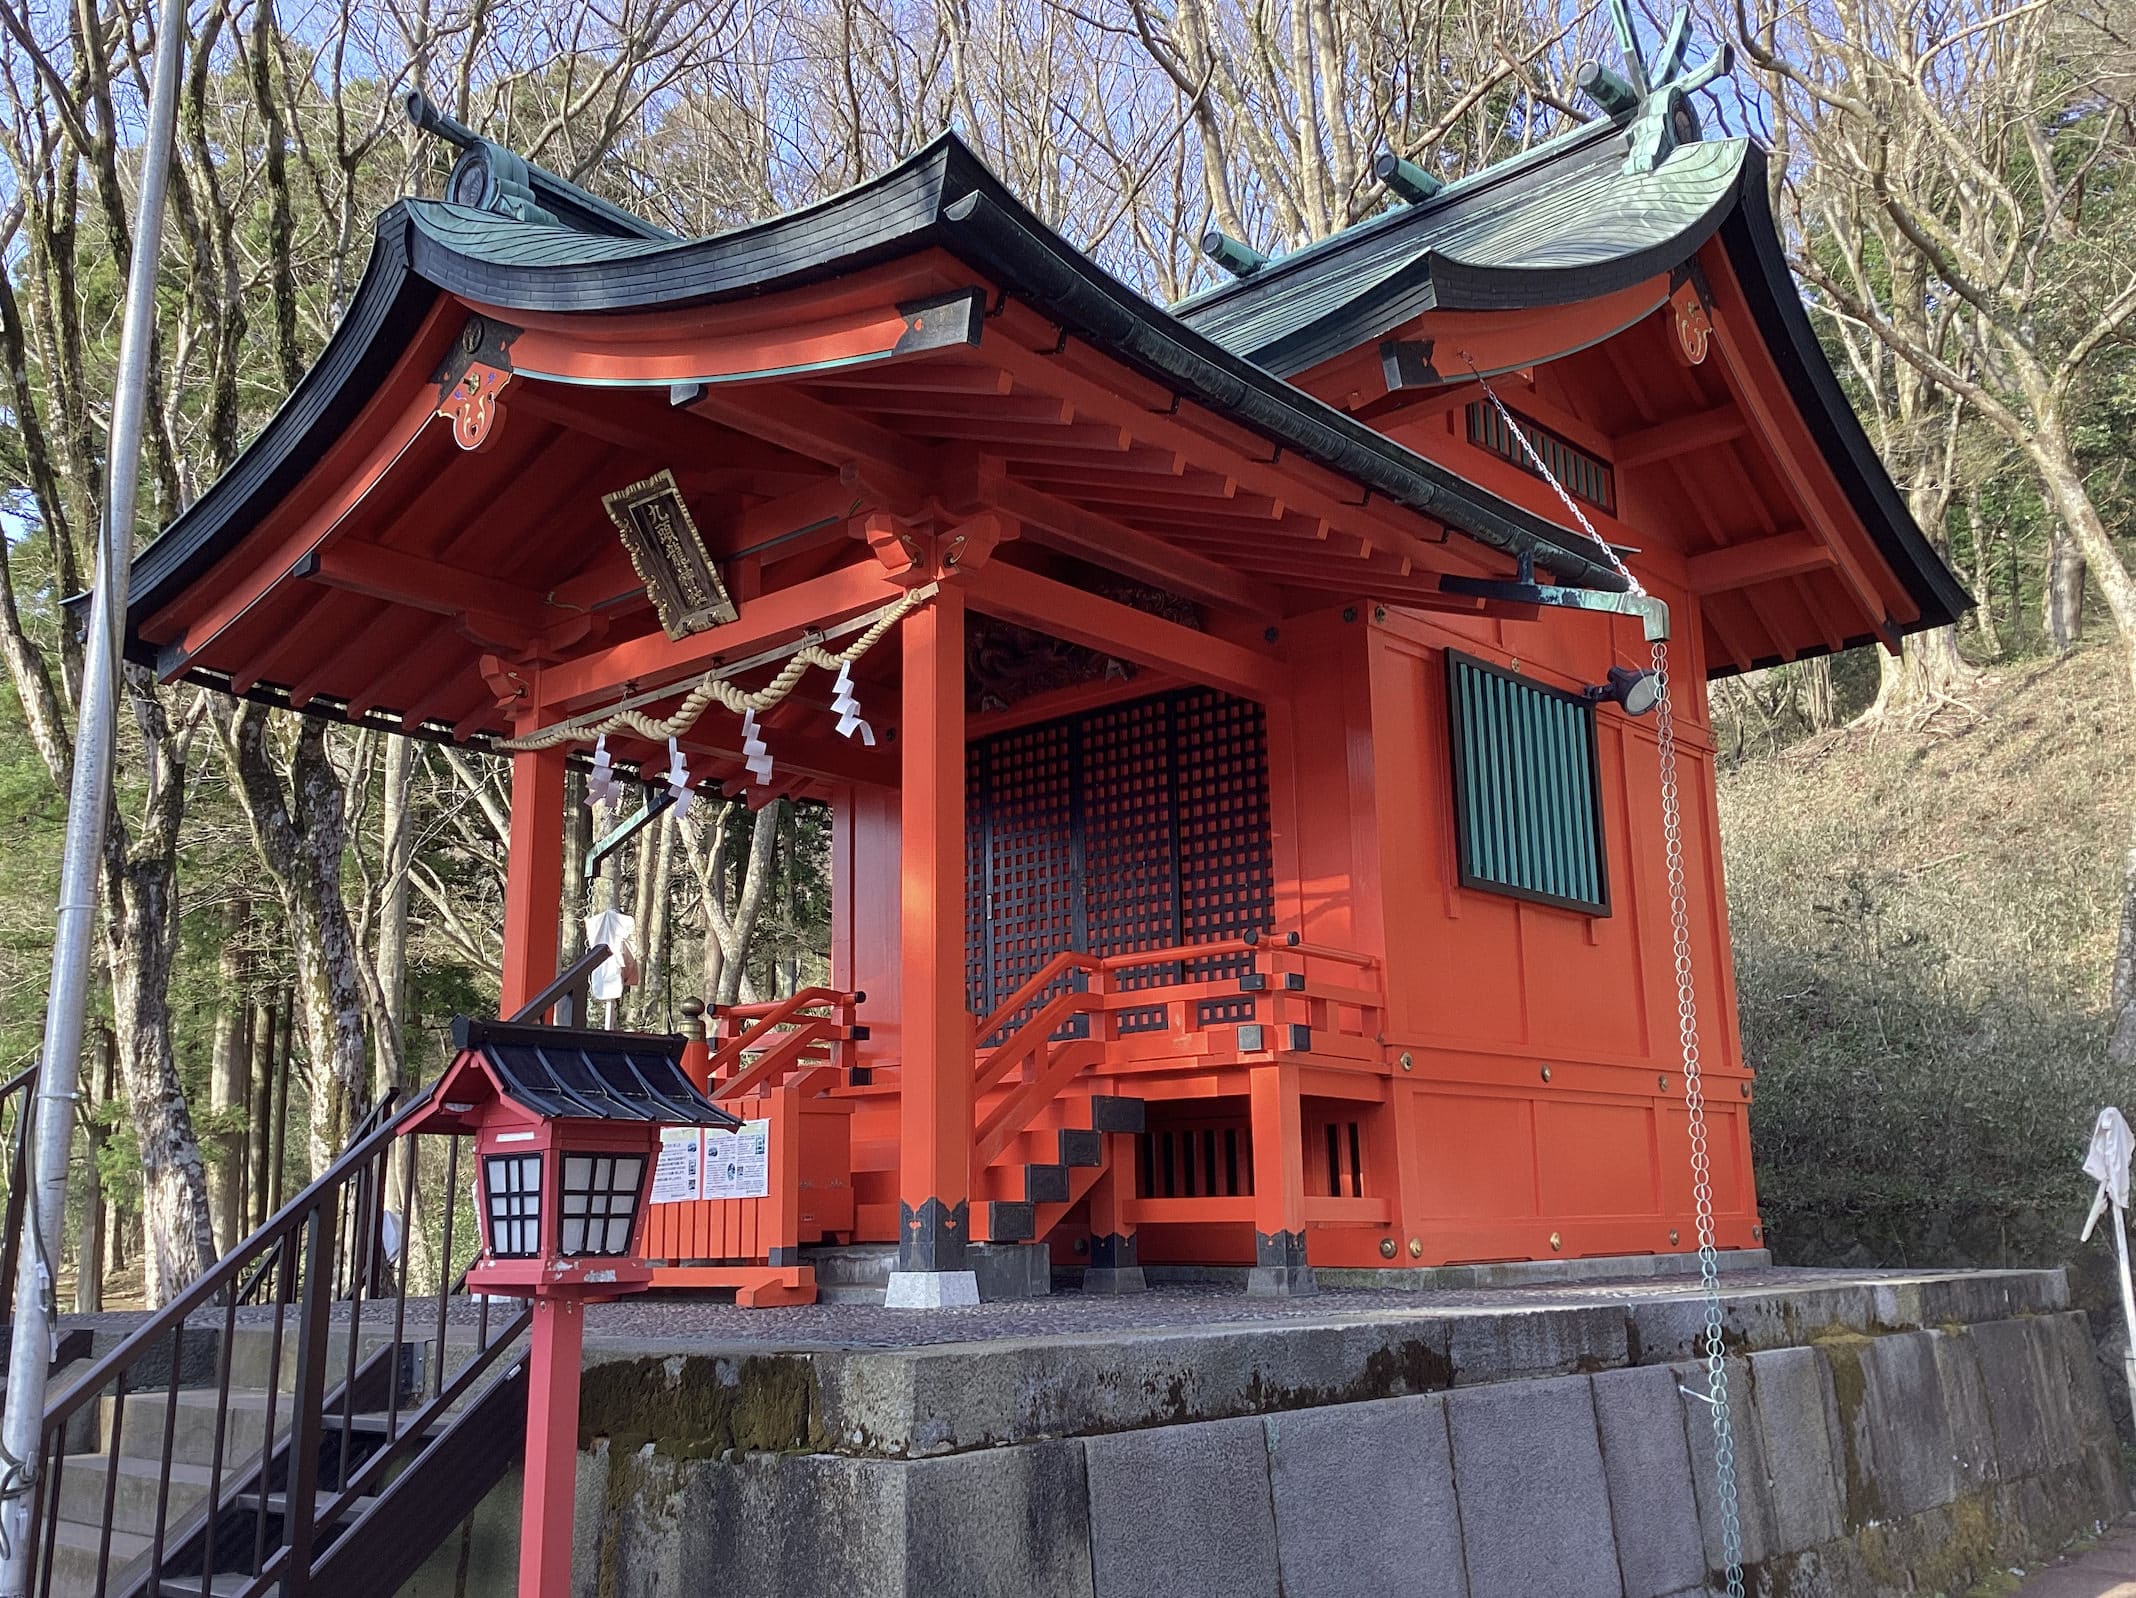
point(1068, 1068)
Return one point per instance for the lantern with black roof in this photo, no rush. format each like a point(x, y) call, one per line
point(567, 1128)
point(566, 1124)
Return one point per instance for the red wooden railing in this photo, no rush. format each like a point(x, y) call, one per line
point(1286, 993)
point(761, 1045)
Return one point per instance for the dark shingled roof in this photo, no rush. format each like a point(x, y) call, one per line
point(941, 197)
point(1563, 222)
point(607, 1076)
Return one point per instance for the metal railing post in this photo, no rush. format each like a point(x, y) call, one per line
point(306, 1420)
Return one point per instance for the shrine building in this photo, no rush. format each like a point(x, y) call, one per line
point(1245, 853)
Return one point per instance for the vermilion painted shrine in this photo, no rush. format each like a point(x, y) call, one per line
point(1233, 879)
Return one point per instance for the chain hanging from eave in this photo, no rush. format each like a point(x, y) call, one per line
point(713, 685)
point(1716, 1396)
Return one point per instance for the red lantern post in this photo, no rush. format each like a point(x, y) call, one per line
point(567, 1129)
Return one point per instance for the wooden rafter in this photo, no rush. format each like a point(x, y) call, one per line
point(1762, 560)
point(1707, 429)
point(1014, 594)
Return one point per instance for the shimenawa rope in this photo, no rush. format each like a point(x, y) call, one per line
point(712, 686)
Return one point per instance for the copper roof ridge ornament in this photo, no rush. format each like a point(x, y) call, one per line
point(1655, 91)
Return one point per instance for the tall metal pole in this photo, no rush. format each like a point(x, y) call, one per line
point(22, 1429)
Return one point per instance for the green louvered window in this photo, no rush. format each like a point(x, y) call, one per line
point(1527, 789)
point(1580, 474)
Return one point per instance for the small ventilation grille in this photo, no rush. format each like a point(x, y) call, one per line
point(1527, 789)
point(1583, 475)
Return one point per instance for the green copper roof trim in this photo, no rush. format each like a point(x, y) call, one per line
point(1572, 229)
point(1454, 189)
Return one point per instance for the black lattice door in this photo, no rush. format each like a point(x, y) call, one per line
point(1026, 846)
point(1139, 826)
point(1227, 876)
point(1131, 842)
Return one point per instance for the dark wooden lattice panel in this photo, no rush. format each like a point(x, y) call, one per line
point(978, 959)
point(1139, 826)
point(1226, 875)
point(1032, 910)
point(1130, 828)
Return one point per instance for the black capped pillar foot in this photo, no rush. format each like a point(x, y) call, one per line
point(931, 1269)
point(1279, 1267)
point(1115, 1266)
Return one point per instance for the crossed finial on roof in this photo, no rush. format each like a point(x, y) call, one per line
point(1657, 88)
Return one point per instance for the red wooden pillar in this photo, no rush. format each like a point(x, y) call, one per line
point(545, 1513)
point(1279, 1262)
point(935, 1079)
point(533, 877)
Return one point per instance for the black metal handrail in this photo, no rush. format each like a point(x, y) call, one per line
point(15, 1093)
point(287, 1470)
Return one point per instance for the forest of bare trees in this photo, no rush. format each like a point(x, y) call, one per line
point(298, 909)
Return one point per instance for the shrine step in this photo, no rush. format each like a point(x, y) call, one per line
point(1112, 1113)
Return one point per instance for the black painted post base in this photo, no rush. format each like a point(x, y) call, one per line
point(1115, 1267)
point(1279, 1267)
point(931, 1269)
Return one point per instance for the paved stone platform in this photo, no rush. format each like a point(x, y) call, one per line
point(2106, 1569)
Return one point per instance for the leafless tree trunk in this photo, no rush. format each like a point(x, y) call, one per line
point(299, 831)
point(96, 1221)
point(2062, 591)
point(259, 1188)
point(229, 1068)
point(730, 930)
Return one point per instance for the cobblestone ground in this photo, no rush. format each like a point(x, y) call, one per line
point(2105, 1570)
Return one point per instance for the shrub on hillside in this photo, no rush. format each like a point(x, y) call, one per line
point(1923, 919)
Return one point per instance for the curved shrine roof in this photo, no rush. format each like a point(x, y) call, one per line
point(941, 198)
point(1563, 222)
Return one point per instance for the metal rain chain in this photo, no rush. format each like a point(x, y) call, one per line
point(1716, 1394)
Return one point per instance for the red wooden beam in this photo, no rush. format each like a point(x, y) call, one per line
point(404, 578)
point(1705, 429)
point(1030, 600)
point(654, 659)
point(642, 422)
point(1075, 440)
point(405, 402)
point(935, 1079)
point(1758, 390)
point(263, 563)
point(1088, 535)
point(1441, 348)
point(534, 874)
point(797, 331)
point(1762, 560)
point(1100, 388)
point(785, 416)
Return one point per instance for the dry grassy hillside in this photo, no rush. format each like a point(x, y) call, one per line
point(1923, 921)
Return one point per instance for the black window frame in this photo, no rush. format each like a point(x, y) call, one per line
point(567, 1191)
point(503, 1205)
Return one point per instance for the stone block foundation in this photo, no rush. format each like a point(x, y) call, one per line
point(1327, 1456)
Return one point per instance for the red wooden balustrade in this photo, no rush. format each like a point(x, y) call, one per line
point(761, 1045)
point(1343, 1018)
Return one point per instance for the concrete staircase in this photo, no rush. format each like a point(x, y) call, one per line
point(149, 1457)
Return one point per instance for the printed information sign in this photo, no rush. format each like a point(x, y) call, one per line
point(737, 1164)
point(676, 1172)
